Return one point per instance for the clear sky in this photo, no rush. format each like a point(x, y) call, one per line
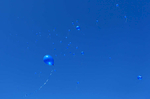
point(116, 49)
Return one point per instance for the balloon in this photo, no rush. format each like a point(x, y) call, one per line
point(139, 77)
point(48, 60)
point(78, 27)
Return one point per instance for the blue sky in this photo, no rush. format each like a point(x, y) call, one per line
point(29, 28)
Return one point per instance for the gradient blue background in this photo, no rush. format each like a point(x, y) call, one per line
point(126, 42)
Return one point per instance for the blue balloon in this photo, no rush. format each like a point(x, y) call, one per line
point(48, 60)
point(117, 5)
point(78, 82)
point(82, 53)
point(72, 23)
point(78, 28)
point(139, 77)
point(73, 53)
point(77, 47)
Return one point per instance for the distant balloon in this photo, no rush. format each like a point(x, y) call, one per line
point(72, 23)
point(78, 82)
point(117, 5)
point(125, 16)
point(82, 53)
point(139, 77)
point(78, 28)
point(48, 60)
point(73, 53)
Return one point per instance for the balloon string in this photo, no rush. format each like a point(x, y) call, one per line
point(41, 85)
